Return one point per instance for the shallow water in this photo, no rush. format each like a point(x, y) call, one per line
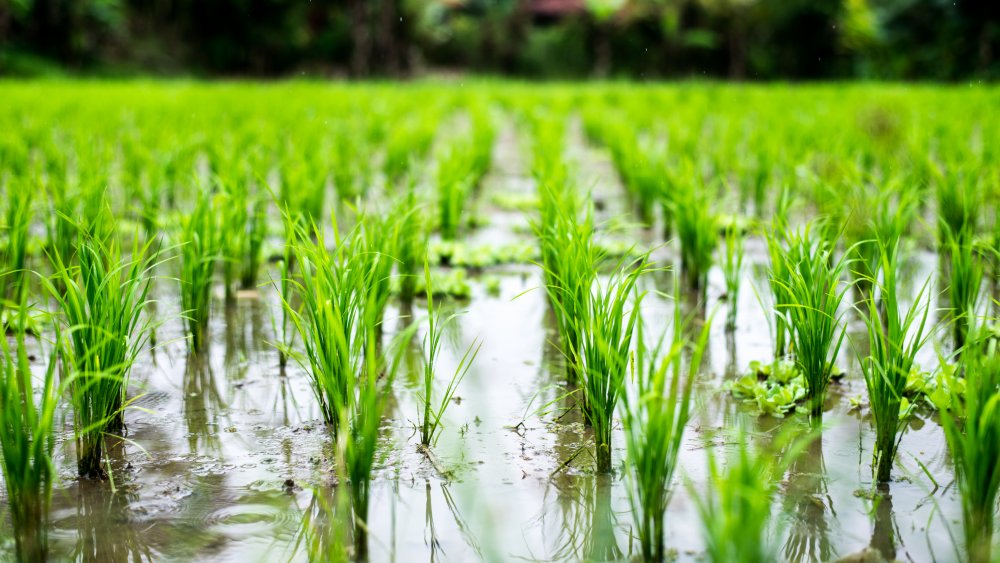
point(225, 453)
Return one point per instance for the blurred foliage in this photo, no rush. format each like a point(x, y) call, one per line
point(756, 39)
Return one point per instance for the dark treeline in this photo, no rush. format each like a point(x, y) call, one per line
point(741, 39)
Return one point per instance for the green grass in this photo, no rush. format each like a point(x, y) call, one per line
point(972, 429)
point(811, 292)
point(654, 416)
point(894, 339)
point(27, 441)
point(200, 248)
point(101, 299)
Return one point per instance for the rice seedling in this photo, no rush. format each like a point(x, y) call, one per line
point(27, 441)
point(433, 411)
point(411, 248)
point(958, 196)
point(971, 423)
point(17, 224)
point(232, 232)
point(732, 270)
point(254, 243)
point(286, 268)
point(606, 328)
point(964, 285)
point(894, 339)
point(654, 415)
point(200, 248)
point(697, 229)
point(102, 300)
point(454, 182)
point(811, 292)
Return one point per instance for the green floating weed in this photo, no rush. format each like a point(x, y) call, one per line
point(812, 291)
point(894, 339)
point(27, 440)
point(102, 301)
point(654, 415)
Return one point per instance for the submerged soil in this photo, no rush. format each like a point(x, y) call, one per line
point(226, 452)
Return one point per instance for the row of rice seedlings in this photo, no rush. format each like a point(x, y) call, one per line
point(732, 271)
point(607, 321)
point(200, 248)
point(654, 414)
point(17, 224)
point(430, 420)
point(811, 292)
point(697, 228)
point(894, 339)
point(406, 144)
point(971, 422)
point(27, 441)
point(101, 299)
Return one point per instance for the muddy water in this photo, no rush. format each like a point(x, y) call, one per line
point(225, 453)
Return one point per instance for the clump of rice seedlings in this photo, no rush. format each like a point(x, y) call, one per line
point(411, 247)
point(654, 415)
point(200, 248)
point(697, 228)
point(303, 184)
point(232, 232)
point(606, 326)
point(732, 269)
point(569, 258)
point(13, 277)
point(965, 283)
point(811, 294)
point(735, 506)
point(958, 202)
point(253, 243)
point(972, 428)
point(101, 300)
point(27, 440)
point(454, 182)
point(894, 339)
point(430, 419)
point(374, 256)
point(286, 269)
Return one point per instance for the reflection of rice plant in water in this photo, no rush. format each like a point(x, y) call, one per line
point(894, 339)
point(972, 428)
point(809, 278)
point(654, 415)
point(101, 300)
point(27, 440)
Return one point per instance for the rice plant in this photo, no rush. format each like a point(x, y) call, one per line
point(411, 247)
point(101, 300)
point(454, 183)
point(965, 283)
point(14, 259)
point(697, 229)
point(232, 232)
point(809, 277)
point(654, 415)
point(607, 323)
point(958, 205)
point(433, 411)
point(894, 339)
point(732, 270)
point(253, 243)
point(200, 248)
point(27, 441)
point(972, 428)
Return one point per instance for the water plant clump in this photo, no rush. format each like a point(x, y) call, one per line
point(27, 442)
point(101, 300)
point(809, 278)
point(894, 339)
point(654, 415)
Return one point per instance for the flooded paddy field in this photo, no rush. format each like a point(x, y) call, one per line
point(226, 454)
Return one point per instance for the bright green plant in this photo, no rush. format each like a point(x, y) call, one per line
point(732, 270)
point(199, 250)
point(411, 248)
point(965, 283)
point(810, 280)
point(101, 299)
point(254, 243)
point(607, 322)
point(654, 415)
point(27, 441)
point(972, 428)
point(433, 411)
point(13, 272)
point(697, 228)
point(454, 182)
point(894, 339)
